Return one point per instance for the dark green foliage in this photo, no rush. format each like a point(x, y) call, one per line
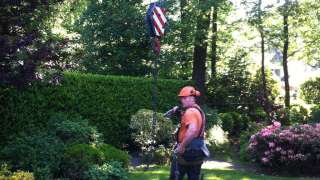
point(106, 101)
point(315, 114)
point(26, 42)
point(111, 153)
point(260, 106)
point(260, 115)
point(298, 114)
point(37, 152)
point(59, 152)
point(227, 121)
point(108, 171)
point(74, 130)
point(234, 123)
point(162, 155)
point(43, 152)
point(212, 117)
point(78, 158)
point(310, 91)
point(236, 90)
point(231, 90)
point(245, 137)
point(115, 38)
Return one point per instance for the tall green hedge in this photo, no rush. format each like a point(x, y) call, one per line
point(106, 101)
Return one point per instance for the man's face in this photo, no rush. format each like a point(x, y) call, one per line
point(187, 101)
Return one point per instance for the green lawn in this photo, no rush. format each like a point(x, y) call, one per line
point(162, 173)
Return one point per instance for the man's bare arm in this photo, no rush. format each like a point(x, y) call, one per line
point(190, 134)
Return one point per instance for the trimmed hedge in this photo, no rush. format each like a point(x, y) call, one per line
point(106, 101)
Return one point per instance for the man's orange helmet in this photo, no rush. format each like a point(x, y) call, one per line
point(188, 91)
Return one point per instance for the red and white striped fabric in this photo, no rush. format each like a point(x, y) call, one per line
point(159, 20)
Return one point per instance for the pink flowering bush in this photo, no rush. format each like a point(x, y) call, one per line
point(295, 149)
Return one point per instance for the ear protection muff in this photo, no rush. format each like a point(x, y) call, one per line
point(197, 93)
point(194, 92)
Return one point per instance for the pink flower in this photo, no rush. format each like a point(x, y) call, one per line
point(255, 142)
point(265, 160)
point(276, 124)
point(271, 144)
point(278, 149)
point(266, 132)
point(306, 126)
point(300, 156)
point(283, 152)
point(252, 137)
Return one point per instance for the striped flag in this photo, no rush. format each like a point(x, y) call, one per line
point(156, 19)
point(159, 20)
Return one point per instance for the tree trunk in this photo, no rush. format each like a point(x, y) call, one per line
point(265, 100)
point(214, 41)
point(200, 49)
point(285, 58)
point(266, 104)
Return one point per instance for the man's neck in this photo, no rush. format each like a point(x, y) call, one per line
point(191, 105)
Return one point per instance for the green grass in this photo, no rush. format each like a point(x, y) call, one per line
point(162, 173)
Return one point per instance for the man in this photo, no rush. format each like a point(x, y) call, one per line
point(192, 123)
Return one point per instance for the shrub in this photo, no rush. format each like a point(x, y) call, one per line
point(245, 136)
point(298, 114)
point(295, 149)
point(217, 136)
point(145, 134)
point(149, 136)
point(78, 158)
point(39, 152)
point(21, 175)
point(212, 117)
point(110, 171)
point(162, 155)
point(260, 115)
point(75, 129)
point(310, 91)
point(56, 154)
point(233, 123)
point(218, 142)
point(108, 102)
point(227, 121)
point(315, 114)
point(111, 153)
point(4, 170)
point(282, 115)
